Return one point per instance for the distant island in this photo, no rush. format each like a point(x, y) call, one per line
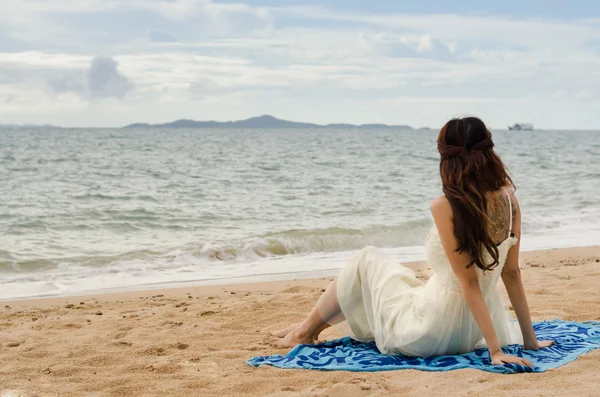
point(265, 121)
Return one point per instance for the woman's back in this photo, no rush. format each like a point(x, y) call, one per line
point(501, 213)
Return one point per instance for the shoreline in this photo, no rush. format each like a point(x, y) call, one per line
point(246, 283)
point(53, 284)
point(196, 289)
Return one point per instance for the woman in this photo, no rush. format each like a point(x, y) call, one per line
point(474, 242)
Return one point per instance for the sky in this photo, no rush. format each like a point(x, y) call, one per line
point(108, 63)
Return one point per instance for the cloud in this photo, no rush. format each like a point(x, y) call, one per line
point(104, 80)
point(160, 36)
point(310, 60)
point(201, 89)
point(408, 45)
point(63, 74)
point(67, 81)
point(110, 22)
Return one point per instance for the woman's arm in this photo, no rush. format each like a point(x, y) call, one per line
point(467, 277)
point(511, 276)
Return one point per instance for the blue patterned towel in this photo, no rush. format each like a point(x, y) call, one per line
point(572, 339)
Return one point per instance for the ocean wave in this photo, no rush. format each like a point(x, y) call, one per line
point(306, 241)
point(15, 263)
point(276, 244)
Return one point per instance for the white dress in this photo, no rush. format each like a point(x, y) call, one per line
point(384, 301)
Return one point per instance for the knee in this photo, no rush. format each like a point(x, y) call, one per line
point(370, 250)
point(367, 256)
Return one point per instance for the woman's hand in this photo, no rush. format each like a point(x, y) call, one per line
point(501, 358)
point(537, 344)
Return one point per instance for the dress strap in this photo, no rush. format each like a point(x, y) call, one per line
point(510, 212)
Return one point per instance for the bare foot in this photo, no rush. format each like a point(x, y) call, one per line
point(284, 331)
point(296, 337)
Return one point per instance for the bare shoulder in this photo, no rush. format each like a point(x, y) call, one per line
point(441, 207)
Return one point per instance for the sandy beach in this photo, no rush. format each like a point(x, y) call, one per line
point(194, 341)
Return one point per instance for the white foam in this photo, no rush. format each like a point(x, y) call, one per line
point(136, 275)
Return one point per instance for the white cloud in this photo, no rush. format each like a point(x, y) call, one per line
point(203, 89)
point(312, 63)
point(160, 36)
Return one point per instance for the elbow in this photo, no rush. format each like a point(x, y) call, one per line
point(472, 283)
point(511, 274)
point(471, 290)
point(468, 286)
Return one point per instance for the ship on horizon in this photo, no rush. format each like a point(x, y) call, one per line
point(521, 127)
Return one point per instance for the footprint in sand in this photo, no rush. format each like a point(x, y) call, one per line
point(180, 346)
point(66, 326)
point(290, 388)
point(207, 313)
point(122, 343)
point(155, 351)
point(121, 333)
point(172, 323)
point(297, 289)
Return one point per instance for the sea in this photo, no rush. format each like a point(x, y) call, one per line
point(98, 210)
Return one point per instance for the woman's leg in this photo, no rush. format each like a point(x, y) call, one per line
point(326, 312)
point(363, 282)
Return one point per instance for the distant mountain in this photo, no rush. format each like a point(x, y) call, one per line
point(265, 121)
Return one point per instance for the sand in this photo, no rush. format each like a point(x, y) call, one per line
point(194, 341)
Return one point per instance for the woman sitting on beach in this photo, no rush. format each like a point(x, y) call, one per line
point(474, 242)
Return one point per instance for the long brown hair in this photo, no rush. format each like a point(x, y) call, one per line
point(470, 169)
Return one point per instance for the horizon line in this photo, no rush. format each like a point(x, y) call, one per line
point(317, 125)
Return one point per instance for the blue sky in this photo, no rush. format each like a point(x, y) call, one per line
point(513, 8)
point(113, 62)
